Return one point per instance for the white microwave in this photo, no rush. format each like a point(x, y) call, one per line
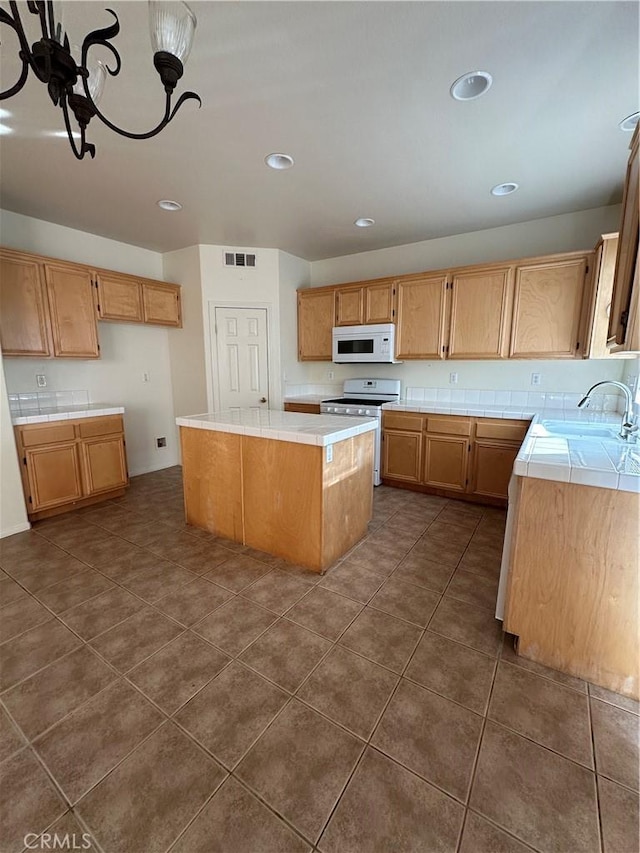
point(364, 344)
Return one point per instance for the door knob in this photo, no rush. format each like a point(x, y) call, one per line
point(263, 399)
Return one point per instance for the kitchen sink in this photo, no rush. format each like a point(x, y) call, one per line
point(574, 429)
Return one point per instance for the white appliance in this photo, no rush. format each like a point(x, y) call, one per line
point(364, 344)
point(364, 398)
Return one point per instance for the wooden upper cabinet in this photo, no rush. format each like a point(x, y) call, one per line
point(624, 324)
point(378, 303)
point(119, 298)
point(480, 313)
point(316, 314)
point(24, 312)
point(349, 306)
point(599, 306)
point(547, 308)
point(421, 317)
point(161, 304)
point(73, 311)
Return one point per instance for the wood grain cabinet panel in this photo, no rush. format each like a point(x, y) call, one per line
point(378, 303)
point(480, 313)
point(119, 298)
point(402, 456)
point(73, 312)
point(349, 306)
point(421, 317)
point(599, 306)
point(548, 308)
point(303, 408)
point(492, 467)
point(104, 464)
point(53, 473)
point(316, 314)
point(624, 324)
point(446, 462)
point(161, 304)
point(24, 312)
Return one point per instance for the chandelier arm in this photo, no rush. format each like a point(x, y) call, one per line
point(102, 37)
point(36, 7)
point(8, 93)
point(85, 147)
point(25, 50)
point(168, 115)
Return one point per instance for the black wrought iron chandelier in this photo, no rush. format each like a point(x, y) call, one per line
point(78, 86)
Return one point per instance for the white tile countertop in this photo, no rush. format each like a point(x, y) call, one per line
point(321, 430)
point(64, 413)
point(565, 445)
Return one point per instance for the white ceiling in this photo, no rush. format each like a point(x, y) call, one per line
point(358, 94)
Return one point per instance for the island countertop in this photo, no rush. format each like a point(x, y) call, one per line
point(319, 430)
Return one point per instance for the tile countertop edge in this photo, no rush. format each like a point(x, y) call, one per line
point(556, 457)
point(287, 426)
point(67, 414)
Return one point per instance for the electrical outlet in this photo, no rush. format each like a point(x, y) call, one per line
point(453, 378)
point(330, 374)
point(535, 378)
point(41, 380)
point(329, 454)
point(161, 442)
point(146, 376)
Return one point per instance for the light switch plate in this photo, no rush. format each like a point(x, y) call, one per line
point(329, 453)
point(41, 380)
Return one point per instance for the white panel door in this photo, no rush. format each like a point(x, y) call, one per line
point(242, 365)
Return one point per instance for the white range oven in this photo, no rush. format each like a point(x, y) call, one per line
point(364, 398)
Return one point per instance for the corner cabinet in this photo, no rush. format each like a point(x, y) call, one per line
point(316, 312)
point(70, 464)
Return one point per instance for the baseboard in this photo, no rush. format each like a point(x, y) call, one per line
point(149, 469)
point(17, 528)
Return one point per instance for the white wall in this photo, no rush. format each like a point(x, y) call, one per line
point(127, 350)
point(13, 513)
point(294, 273)
point(237, 287)
point(542, 236)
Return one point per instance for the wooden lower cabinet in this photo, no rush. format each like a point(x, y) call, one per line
point(467, 458)
point(303, 408)
point(72, 463)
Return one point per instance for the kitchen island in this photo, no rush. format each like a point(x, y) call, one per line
point(297, 486)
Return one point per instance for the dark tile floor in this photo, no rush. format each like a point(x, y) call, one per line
point(165, 690)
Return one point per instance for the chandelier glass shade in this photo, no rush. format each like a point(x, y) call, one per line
point(75, 78)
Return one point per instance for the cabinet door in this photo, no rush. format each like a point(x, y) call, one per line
point(315, 321)
point(492, 468)
point(53, 474)
point(24, 315)
point(161, 304)
point(349, 306)
point(421, 317)
point(600, 299)
point(480, 313)
point(104, 464)
point(446, 461)
point(402, 455)
point(626, 269)
point(73, 312)
point(119, 298)
point(547, 308)
point(378, 303)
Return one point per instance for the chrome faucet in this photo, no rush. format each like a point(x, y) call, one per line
point(628, 427)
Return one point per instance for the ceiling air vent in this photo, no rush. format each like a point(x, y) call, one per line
point(239, 259)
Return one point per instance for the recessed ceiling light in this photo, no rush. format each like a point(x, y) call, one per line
point(364, 222)
point(167, 204)
point(504, 189)
point(279, 161)
point(471, 85)
point(629, 123)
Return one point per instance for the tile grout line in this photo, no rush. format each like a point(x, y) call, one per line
point(595, 771)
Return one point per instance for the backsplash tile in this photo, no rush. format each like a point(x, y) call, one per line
point(38, 402)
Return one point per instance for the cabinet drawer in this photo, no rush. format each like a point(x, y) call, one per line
point(449, 426)
point(501, 429)
point(402, 420)
point(303, 408)
point(50, 433)
point(99, 426)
